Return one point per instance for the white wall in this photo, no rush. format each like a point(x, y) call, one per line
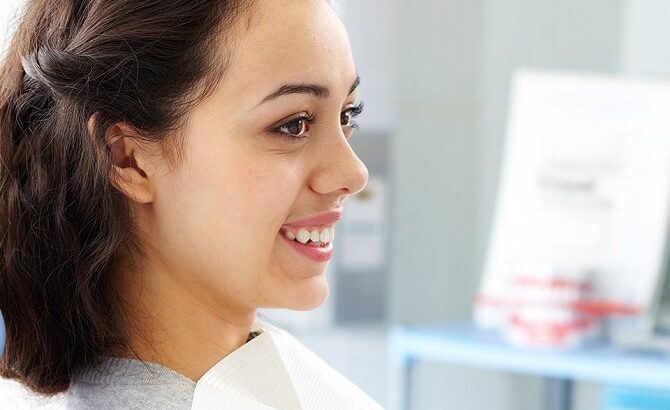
point(372, 26)
point(646, 33)
point(434, 159)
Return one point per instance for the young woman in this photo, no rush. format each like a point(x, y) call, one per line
point(167, 168)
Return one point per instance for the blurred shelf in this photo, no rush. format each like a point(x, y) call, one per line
point(464, 345)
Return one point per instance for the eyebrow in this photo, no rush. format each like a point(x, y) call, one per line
point(316, 90)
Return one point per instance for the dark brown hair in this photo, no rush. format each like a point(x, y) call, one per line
point(63, 225)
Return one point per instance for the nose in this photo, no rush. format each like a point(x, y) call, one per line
point(339, 170)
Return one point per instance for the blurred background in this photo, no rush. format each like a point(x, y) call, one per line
point(411, 250)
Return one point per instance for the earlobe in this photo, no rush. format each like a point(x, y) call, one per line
point(129, 162)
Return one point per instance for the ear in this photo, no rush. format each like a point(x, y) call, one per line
point(131, 165)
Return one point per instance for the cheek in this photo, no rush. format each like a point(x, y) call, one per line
point(236, 200)
point(268, 197)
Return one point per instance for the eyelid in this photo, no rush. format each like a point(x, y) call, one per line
point(301, 116)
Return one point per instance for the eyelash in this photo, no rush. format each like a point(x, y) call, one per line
point(354, 112)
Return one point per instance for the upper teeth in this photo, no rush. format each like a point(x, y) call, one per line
point(303, 235)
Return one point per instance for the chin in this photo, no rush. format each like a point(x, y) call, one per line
point(309, 295)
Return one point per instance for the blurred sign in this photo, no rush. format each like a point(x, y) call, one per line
point(585, 190)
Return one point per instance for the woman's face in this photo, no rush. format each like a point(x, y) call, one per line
point(270, 146)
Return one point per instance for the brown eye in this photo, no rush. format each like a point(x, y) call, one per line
point(296, 127)
point(346, 118)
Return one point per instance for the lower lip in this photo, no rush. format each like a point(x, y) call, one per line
point(317, 254)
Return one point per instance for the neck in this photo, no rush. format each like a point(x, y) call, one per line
point(176, 326)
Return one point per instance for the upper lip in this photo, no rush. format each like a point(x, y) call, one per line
point(327, 218)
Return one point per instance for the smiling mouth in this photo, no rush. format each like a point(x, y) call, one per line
point(317, 237)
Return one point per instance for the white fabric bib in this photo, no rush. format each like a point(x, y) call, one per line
point(274, 371)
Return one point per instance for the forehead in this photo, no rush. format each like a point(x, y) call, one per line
point(290, 41)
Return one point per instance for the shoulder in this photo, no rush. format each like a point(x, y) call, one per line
point(319, 380)
point(119, 383)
